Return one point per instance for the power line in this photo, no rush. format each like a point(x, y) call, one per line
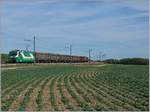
point(27, 45)
point(103, 56)
point(70, 50)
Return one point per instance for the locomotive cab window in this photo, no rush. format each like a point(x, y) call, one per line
point(27, 54)
point(13, 53)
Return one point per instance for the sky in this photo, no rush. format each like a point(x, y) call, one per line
point(117, 28)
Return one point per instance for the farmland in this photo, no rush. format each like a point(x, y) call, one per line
point(76, 87)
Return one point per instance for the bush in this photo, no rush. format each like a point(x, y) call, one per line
point(4, 58)
point(112, 61)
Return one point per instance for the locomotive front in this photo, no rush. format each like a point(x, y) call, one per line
point(20, 56)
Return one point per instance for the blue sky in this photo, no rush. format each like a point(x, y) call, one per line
point(118, 28)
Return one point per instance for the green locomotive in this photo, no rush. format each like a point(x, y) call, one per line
point(21, 56)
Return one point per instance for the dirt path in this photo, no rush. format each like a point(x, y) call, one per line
point(101, 65)
point(10, 68)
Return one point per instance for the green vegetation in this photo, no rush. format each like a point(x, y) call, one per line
point(25, 100)
point(131, 61)
point(13, 95)
point(28, 94)
point(110, 87)
point(4, 58)
point(63, 97)
point(52, 95)
point(39, 97)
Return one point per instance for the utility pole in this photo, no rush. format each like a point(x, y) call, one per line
point(100, 56)
point(28, 45)
point(34, 48)
point(70, 50)
point(103, 56)
point(90, 50)
point(70, 54)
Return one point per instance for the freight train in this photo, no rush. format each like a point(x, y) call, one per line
point(21, 56)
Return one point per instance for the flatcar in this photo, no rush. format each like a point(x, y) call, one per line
point(21, 56)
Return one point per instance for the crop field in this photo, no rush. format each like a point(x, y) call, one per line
point(76, 87)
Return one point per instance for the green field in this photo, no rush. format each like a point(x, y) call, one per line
point(76, 87)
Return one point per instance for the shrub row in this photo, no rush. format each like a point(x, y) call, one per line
point(134, 61)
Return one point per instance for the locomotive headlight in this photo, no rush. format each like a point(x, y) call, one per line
point(12, 56)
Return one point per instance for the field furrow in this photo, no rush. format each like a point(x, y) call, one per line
point(46, 96)
point(28, 94)
point(105, 93)
point(33, 103)
point(10, 92)
point(81, 103)
point(63, 95)
point(8, 89)
point(121, 90)
point(52, 95)
point(116, 93)
point(101, 103)
point(128, 99)
point(70, 100)
point(8, 99)
point(82, 94)
point(59, 102)
point(15, 104)
point(76, 88)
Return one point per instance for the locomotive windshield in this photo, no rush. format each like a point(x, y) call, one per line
point(27, 54)
point(13, 53)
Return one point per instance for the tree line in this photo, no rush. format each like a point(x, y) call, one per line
point(4, 58)
point(134, 61)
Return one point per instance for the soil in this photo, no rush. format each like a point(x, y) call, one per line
point(72, 101)
point(59, 103)
point(32, 105)
point(46, 97)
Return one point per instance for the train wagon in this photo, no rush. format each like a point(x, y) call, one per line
point(59, 58)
